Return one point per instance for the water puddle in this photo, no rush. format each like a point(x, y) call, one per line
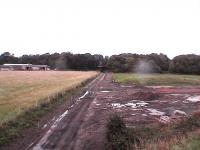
point(158, 87)
point(185, 95)
point(194, 99)
point(133, 104)
point(86, 93)
point(179, 113)
point(105, 91)
point(164, 119)
point(49, 132)
point(126, 86)
point(155, 112)
point(117, 105)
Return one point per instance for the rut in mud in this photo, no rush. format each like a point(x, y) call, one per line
point(81, 126)
point(74, 128)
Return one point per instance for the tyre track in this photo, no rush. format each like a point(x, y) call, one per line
point(63, 132)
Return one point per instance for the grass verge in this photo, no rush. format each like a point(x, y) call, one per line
point(30, 118)
point(178, 136)
point(157, 79)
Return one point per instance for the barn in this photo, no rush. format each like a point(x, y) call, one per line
point(24, 67)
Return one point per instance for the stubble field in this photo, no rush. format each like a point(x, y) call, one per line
point(20, 90)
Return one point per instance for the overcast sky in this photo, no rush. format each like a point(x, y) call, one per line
point(107, 27)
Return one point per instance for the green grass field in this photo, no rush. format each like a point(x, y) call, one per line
point(21, 90)
point(157, 79)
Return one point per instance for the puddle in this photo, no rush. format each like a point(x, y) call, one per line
point(86, 93)
point(105, 91)
point(141, 104)
point(179, 113)
point(155, 112)
point(174, 102)
point(60, 118)
point(185, 95)
point(194, 99)
point(164, 119)
point(44, 126)
point(137, 104)
point(157, 87)
point(49, 132)
point(117, 105)
point(71, 106)
point(54, 118)
point(130, 104)
point(126, 86)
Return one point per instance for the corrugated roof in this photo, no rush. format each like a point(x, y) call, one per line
point(29, 65)
point(17, 64)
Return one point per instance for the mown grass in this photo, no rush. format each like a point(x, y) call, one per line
point(157, 79)
point(31, 118)
point(21, 90)
point(179, 136)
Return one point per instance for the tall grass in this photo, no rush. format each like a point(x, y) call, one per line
point(179, 136)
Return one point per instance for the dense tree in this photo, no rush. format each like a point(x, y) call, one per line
point(161, 60)
point(63, 61)
point(127, 62)
point(7, 57)
point(121, 63)
point(139, 63)
point(185, 64)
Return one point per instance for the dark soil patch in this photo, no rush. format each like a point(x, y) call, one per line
point(146, 96)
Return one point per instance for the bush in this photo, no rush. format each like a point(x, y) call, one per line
point(119, 136)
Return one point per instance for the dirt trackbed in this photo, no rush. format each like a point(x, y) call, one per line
point(81, 125)
point(69, 131)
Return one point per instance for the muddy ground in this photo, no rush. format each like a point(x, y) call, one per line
point(81, 125)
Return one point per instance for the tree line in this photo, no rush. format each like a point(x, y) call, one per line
point(127, 62)
point(63, 61)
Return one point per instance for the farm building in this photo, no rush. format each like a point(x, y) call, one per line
point(5, 68)
point(24, 67)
